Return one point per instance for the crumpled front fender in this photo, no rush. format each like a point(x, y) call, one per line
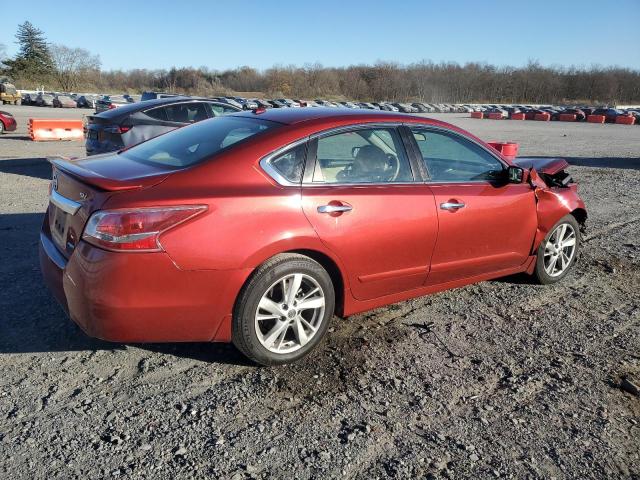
point(552, 204)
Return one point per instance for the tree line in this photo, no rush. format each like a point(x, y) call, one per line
point(57, 67)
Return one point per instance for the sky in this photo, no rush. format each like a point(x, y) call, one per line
point(260, 34)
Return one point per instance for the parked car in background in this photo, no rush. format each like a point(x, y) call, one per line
point(262, 103)
point(289, 102)
point(64, 101)
point(161, 242)
point(349, 104)
point(7, 122)
point(86, 101)
point(137, 122)
point(155, 95)
point(278, 104)
point(420, 107)
point(44, 100)
point(109, 102)
point(29, 98)
point(610, 114)
point(580, 115)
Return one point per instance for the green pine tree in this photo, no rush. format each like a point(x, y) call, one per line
point(33, 61)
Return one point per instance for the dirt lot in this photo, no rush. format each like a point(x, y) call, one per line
point(498, 380)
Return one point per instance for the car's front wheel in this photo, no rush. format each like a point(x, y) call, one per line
point(284, 310)
point(558, 251)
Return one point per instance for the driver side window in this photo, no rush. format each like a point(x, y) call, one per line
point(369, 155)
point(451, 158)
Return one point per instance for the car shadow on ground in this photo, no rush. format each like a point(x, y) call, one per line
point(29, 167)
point(601, 162)
point(33, 322)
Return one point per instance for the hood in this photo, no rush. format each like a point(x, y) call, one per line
point(548, 166)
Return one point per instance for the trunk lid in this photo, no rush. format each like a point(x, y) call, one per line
point(80, 187)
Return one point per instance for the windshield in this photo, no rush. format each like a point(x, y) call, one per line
point(189, 145)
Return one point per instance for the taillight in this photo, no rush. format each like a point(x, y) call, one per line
point(111, 106)
point(117, 128)
point(136, 229)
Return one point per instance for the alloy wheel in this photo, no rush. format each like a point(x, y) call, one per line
point(289, 313)
point(559, 250)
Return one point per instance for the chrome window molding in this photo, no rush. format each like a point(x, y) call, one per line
point(265, 163)
point(275, 175)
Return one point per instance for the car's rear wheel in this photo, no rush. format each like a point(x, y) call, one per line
point(558, 251)
point(1, 128)
point(284, 310)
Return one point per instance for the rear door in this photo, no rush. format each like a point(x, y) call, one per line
point(360, 196)
point(485, 224)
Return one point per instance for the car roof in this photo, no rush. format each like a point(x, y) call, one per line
point(291, 116)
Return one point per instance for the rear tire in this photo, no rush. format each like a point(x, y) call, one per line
point(1, 128)
point(271, 325)
point(558, 252)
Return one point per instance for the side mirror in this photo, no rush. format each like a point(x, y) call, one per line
point(515, 174)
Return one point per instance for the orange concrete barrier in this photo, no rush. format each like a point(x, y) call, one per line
point(542, 117)
point(567, 117)
point(476, 115)
point(46, 129)
point(518, 116)
point(625, 120)
point(494, 116)
point(596, 118)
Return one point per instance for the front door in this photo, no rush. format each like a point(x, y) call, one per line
point(365, 206)
point(485, 224)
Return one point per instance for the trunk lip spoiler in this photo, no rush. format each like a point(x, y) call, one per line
point(90, 177)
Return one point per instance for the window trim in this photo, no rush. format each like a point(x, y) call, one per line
point(265, 163)
point(313, 159)
point(434, 128)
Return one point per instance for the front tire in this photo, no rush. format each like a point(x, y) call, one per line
point(284, 310)
point(558, 251)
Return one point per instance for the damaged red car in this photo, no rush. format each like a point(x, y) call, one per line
point(258, 227)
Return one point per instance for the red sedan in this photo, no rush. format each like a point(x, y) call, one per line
point(7, 122)
point(258, 227)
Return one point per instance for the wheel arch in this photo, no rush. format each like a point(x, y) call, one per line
point(331, 266)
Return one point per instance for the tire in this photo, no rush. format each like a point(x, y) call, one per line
point(542, 273)
point(1, 128)
point(252, 327)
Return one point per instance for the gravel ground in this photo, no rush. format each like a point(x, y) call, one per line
point(503, 379)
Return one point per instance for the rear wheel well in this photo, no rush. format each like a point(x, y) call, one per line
point(580, 214)
point(334, 272)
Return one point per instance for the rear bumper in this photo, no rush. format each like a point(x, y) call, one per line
point(140, 297)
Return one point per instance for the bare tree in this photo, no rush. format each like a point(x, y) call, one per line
point(73, 65)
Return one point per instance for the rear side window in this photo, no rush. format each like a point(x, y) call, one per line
point(189, 145)
point(157, 113)
point(290, 164)
point(218, 109)
point(186, 112)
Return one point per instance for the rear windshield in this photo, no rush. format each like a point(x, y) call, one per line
point(189, 145)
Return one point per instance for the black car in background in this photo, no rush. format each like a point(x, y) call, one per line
point(136, 122)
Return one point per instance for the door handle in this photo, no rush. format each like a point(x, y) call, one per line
point(334, 208)
point(451, 206)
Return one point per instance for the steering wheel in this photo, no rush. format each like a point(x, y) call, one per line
point(394, 165)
